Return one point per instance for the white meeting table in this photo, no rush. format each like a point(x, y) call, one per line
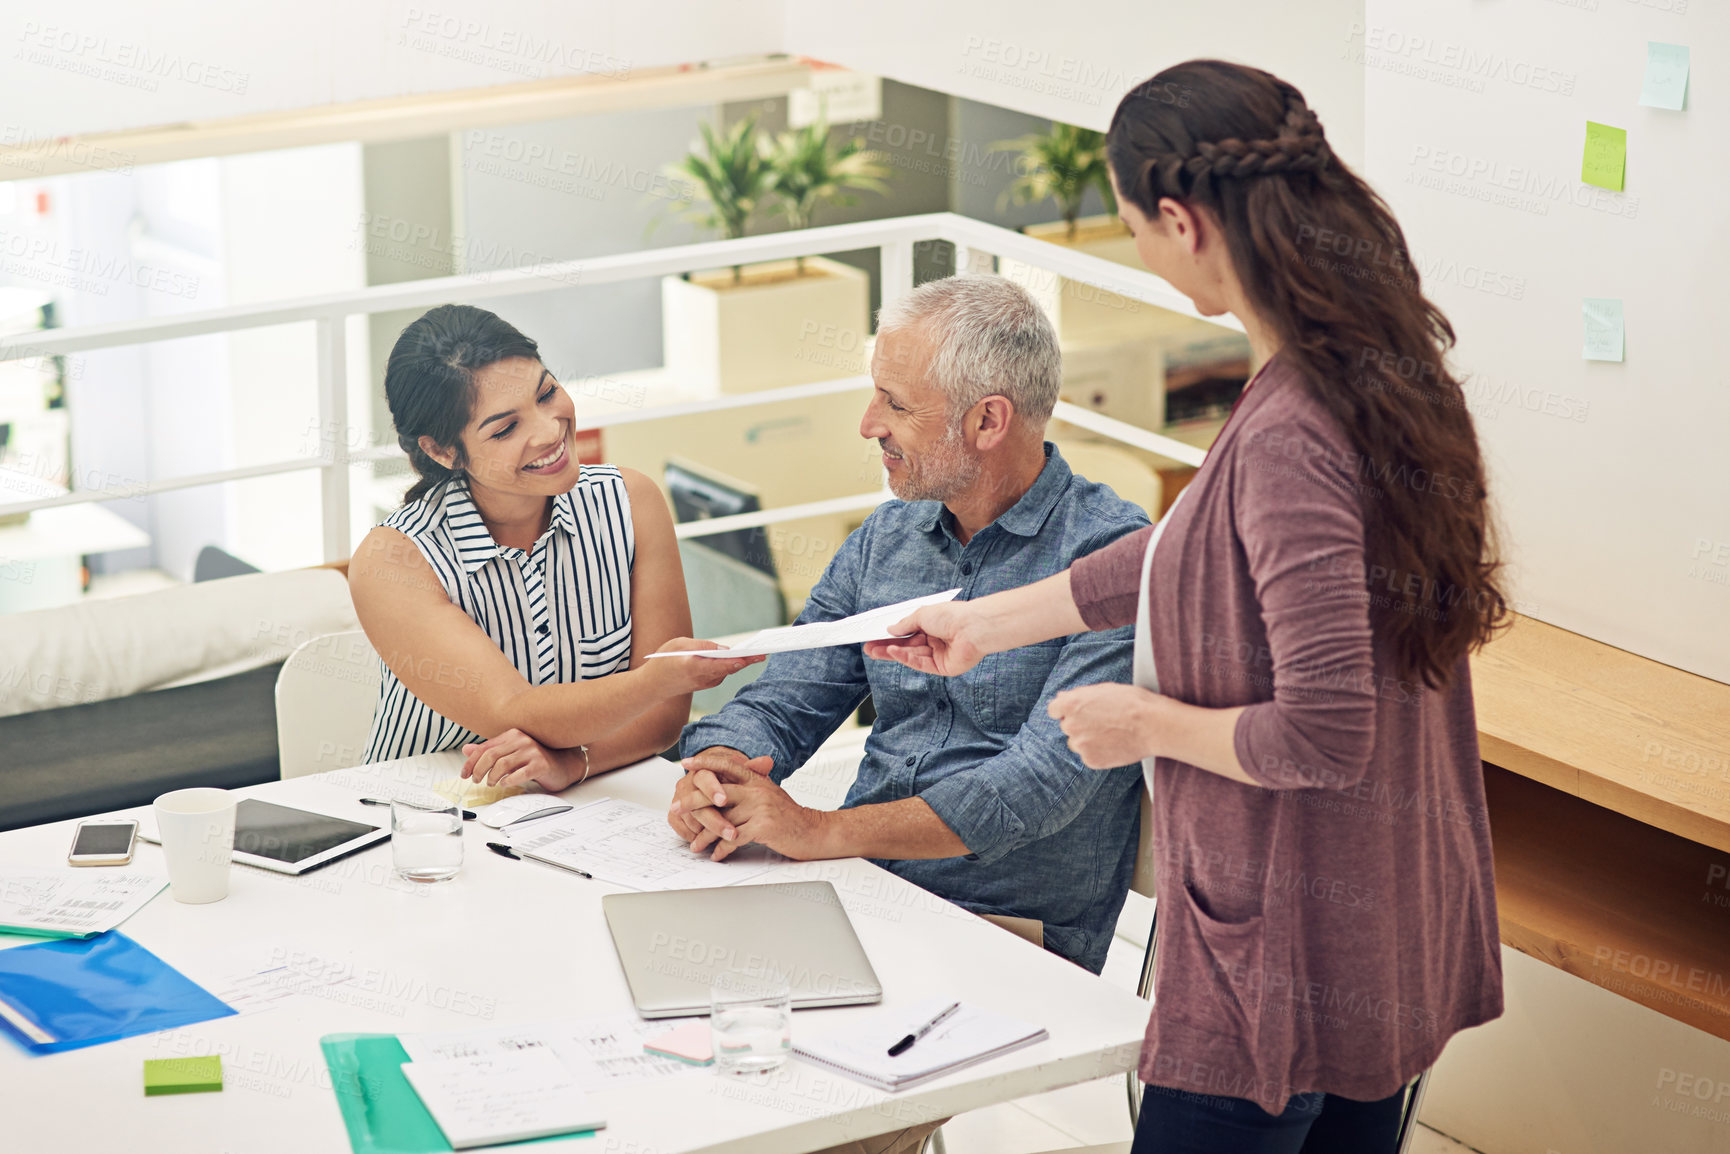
point(508, 942)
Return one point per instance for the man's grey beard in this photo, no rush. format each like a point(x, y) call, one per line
point(943, 473)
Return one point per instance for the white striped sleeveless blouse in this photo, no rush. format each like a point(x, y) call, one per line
point(561, 611)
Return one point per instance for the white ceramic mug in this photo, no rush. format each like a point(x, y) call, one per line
point(197, 831)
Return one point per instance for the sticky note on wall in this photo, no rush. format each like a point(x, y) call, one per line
point(1603, 317)
point(1606, 154)
point(1666, 83)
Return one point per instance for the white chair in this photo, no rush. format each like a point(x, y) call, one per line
point(325, 696)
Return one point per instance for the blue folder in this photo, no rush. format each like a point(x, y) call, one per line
point(64, 995)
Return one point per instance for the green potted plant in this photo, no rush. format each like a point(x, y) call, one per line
point(808, 171)
point(775, 323)
point(1059, 165)
point(722, 186)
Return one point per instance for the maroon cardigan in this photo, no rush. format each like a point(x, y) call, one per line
point(1330, 928)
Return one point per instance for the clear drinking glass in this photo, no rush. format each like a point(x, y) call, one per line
point(750, 1022)
point(426, 840)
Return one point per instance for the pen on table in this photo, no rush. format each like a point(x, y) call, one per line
point(505, 851)
point(549, 811)
point(468, 814)
point(906, 1043)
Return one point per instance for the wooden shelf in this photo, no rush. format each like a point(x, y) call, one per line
point(1631, 908)
point(1621, 731)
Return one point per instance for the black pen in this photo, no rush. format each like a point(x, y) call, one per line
point(504, 850)
point(468, 814)
point(906, 1043)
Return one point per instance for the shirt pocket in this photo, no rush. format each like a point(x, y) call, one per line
point(1005, 687)
point(606, 650)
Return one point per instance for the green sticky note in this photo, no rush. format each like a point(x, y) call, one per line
point(182, 1075)
point(1606, 154)
point(1666, 83)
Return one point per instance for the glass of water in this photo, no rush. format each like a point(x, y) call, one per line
point(750, 1022)
point(426, 839)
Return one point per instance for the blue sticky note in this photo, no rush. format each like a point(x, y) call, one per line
point(1666, 83)
point(1603, 318)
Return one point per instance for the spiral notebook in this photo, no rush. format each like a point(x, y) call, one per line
point(969, 1036)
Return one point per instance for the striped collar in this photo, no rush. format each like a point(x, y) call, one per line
point(474, 542)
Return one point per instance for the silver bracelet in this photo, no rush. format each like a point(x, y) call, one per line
point(585, 776)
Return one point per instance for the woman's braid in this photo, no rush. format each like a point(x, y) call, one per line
point(1300, 146)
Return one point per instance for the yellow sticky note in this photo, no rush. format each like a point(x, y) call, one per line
point(1606, 156)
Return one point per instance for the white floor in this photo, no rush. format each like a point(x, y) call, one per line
point(1092, 1117)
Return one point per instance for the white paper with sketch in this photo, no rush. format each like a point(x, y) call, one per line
point(73, 901)
point(495, 1098)
point(599, 1052)
point(631, 845)
point(871, 625)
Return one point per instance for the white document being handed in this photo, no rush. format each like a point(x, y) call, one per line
point(968, 1036)
point(871, 625)
point(631, 845)
point(495, 1098)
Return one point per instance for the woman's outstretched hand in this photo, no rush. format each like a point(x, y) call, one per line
point(947, 639)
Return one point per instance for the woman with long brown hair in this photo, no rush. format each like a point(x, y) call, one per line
point(1302, 704)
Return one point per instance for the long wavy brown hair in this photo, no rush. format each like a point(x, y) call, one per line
point(1323, 261)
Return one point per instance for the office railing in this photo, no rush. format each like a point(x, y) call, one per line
point(895, 239)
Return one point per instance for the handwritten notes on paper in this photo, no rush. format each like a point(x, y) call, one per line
point(1604, 332)
point(1606, 156)
point(71, 901)
point(598, 1053)
point(630, 845)
point(1666, 82)
point(495, 1098)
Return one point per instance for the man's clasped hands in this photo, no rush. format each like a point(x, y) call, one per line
point(726, 800)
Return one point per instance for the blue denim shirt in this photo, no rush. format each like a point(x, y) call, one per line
point(1050, 838)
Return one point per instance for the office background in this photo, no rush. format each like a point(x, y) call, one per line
point(1611, 479)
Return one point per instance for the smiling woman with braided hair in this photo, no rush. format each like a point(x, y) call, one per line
point(1302, 705)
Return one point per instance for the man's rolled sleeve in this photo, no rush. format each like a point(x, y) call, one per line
point(977, 813)
point(1037, 785)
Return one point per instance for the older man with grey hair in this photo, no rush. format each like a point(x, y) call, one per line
point(968, 788)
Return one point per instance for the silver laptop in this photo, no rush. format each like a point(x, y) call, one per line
point(673, 943)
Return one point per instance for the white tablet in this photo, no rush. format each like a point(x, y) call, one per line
point(291, 841)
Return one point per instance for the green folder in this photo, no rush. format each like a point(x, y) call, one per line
point(381, 1110)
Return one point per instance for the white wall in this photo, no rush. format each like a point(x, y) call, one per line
point(290, 228)
point(101, 65)
point(1618, 522)
point(1072, 61)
